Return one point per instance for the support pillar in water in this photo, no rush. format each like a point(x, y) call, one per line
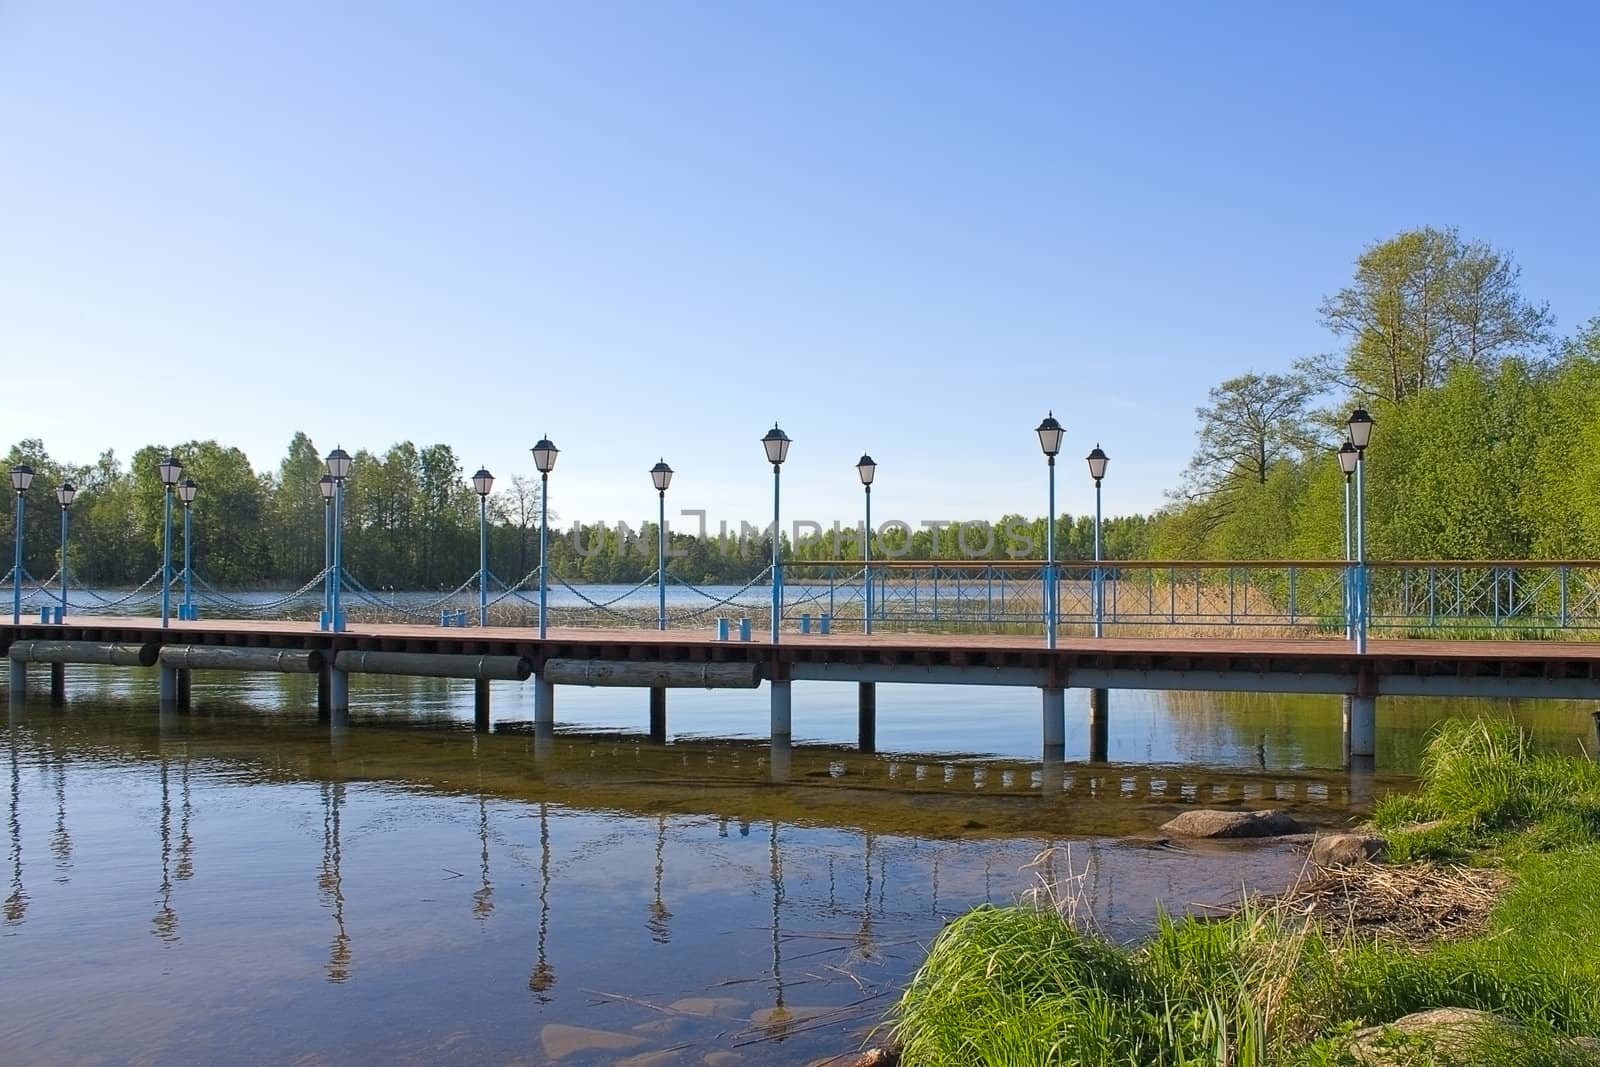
point(780, 710)
point(58, 683)
point(169, 688)
point(1099, 724)
point(339, 695)
point(658, 715)
point(1361, 727)
point(867, 717)
point(324, 696)
point(1055, 722)
point(544, 701)
point(185, 687)
point(480, 705)
point(19, 682)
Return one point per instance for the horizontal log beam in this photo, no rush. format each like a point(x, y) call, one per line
point(601, 672)
point(103, 653)
point(436, 665)
point(226, 658)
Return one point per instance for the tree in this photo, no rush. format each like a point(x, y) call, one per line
point(1248, 424)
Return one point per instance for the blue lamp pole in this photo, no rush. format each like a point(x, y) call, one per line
point(1097, 470)
point(544, 458)
point(661, 478)
point(325, 487)
point(776, 443)
point(1348, 458)
point(171, 472)
point(21, 478)
point(868, 470)
point(187, 490)
point(482, 484)
point(1050, 433)
point(339, 463)
point(64, 496)
point(1360, 427)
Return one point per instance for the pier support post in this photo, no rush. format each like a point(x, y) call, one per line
point(867, 717)
point(185, 687)
point(169, 688)
point(480, 705)
point(58, 683)
point(1055, 722)
point(1099, 724)
point(780, 709)
point(544, 701)
point(19, 682)
point(1361, 727)
point(324, 697)
point(782, 760)
point(339, 695)
point(658, 715)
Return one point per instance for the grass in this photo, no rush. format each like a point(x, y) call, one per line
point(1028, 985)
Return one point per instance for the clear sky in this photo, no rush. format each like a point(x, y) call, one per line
point(652, 229)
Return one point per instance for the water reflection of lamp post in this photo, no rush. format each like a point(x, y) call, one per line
point(165, 923)
point(187, 491)
point(1360, 427)
point(775, 859)
point(1097, 470)
point(64, 497)
point(171, 471)
point(867, 470)
point(661, 478)
point(330, 880)
point(21, 478)
point(776, 442)
point(482, 484)
point(543, 977)
point(483, 897)
point(544, 458)
point(660, 916)
point(339, 464)
point(325, 487)
point(1050, 434)
point(16, 906)
point(1348, 457)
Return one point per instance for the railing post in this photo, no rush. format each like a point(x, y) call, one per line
point(1433, 596)
point(1294, 614)
point(1564, 620)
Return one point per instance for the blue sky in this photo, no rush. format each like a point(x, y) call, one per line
point(652, 229)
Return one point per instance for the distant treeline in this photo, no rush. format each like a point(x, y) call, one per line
point(1487, 446)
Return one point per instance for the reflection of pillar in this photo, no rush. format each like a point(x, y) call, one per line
point(61, 840)
point(1361, 784)
point(330, 880)
point(185, 869)
point(17, 900)
point(1099, 724)
point(165, 923)
point(660, 932)
point(544, 975)
point(483, 898)
point(782, 759)
point(775, 859)
point(864, 936)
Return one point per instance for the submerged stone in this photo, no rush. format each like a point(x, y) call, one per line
point(560, 1040)
point(1208, 822)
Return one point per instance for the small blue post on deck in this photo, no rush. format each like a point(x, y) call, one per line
point(722, 629)
point(867, 469)
point(544, 458)
point(776, 443)
point(21, 478)
point(661, 478)
point(744, 629)
point(339, 464)
point(1097, 470)
point(1050, 433)
point(64, 497)
point(805, 622)
point(483, 485)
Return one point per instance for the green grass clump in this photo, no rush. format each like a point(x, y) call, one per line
point(1008, 987)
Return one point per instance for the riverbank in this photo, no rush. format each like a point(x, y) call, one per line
point(1281, 981)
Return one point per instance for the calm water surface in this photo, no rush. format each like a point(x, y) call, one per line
point(240, 884)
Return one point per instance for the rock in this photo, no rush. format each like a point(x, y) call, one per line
point(720, 1007)
point(1208, 822)
point(872, 1057)
point(723, 1058)
point(560, 1040)
point(1454, 1032)
point(660, 1058)
point(1347, 850)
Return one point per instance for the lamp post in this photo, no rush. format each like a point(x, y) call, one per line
point(339, 464)
point(1348, 457)
point(64, 496)
point(21, 478)
point(171, 471)
point(661, 477)
point(1050, 434)
point(482, 483)
point(325, 487)
point(776, 442)
point(544, 458)
point(1097, 470)
point(868, 470)
point(187, 491)
point(1360, 427)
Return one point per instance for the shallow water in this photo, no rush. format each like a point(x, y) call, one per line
point(241, 884)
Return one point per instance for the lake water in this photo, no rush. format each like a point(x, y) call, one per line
point(241, 884)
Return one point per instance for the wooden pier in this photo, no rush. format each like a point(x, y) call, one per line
point(659, 660)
